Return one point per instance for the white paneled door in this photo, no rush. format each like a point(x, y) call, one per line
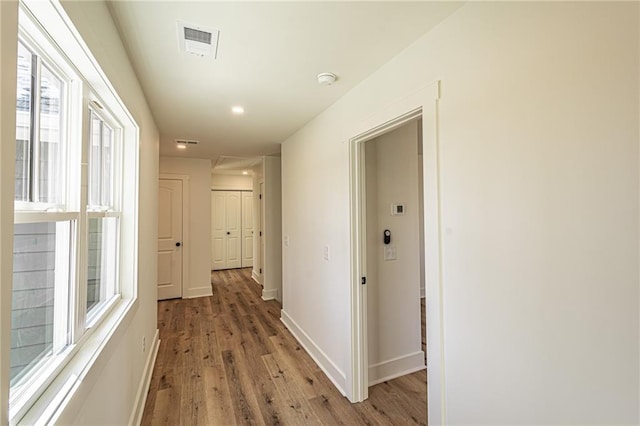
point(170, 239)
point(247, 229)
point(226, 227)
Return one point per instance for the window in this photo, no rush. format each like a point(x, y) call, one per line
point(102, 215)
point(100, 162)
point(39, 317)
point(74, 253)
point(45, 226)
point(39, 130)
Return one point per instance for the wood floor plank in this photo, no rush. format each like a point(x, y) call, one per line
point(244, 402)
point(218, 397)
point(227, 359)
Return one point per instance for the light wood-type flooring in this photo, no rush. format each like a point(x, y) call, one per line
point(227, 359)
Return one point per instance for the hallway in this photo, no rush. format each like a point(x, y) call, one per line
point(227, 359)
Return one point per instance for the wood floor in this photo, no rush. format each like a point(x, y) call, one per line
point(227, 359)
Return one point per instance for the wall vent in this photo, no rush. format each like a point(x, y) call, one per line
point(197, 39)
point(186, 142)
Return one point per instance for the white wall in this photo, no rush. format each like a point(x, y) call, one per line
point(111, 379)
point(393, 286)
point(199, 262)
point(272, 199)
point(225, 182)
point(8, 56)
point(538, 131)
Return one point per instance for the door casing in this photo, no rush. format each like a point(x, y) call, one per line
point(422, 104)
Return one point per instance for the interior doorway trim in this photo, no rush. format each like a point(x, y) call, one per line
point(422, 104)
point(186, 243)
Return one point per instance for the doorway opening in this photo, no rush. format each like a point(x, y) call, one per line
point(393, 253)
point(421, 105)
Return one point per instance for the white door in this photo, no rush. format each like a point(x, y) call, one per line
point(234, 229)
point(226, 227)
point(169, 239)
point(218, 231)
point(261, 232)
point(247, 229)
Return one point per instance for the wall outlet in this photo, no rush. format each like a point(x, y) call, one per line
point(144, 344)
point(286, 241)
point(326, 253)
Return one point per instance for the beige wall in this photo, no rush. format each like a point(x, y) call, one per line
point(538, 133)
point(224, 182)
point(272, 199)
point(393, 286)
point(8, 55)
point(199, 262)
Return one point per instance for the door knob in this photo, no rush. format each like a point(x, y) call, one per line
point(178, 244)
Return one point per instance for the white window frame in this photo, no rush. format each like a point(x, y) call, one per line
point(47, 25)
point(112, 210)
point(34, 41)
point(37, 212)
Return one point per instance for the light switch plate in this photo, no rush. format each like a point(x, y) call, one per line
point(390, 253)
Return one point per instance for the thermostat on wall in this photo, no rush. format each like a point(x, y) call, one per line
point(397, 209)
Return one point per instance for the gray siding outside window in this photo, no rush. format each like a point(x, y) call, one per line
point(33, 294)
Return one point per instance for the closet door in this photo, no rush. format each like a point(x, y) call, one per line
point(218, 230)
point(226, 230)
point(247, 229)
point(233, 212)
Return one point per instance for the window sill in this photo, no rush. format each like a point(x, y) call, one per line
point(82, 357)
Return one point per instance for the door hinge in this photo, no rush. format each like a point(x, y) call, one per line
point(261, 233)
point(364, 280)
point(260, 196)
point(260, 270)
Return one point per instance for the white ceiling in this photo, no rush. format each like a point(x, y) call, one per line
point(268, 58)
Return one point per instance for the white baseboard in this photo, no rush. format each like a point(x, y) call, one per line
point(334, 374)
point(256, 277)
point(269, 294)
point(396, 367)
point(143, 388)
point(191, 293)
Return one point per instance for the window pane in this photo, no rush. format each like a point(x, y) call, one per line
point(107, 148)
point(102, 265)
point(50, 152)
point(40, 283)
point(95, 164)
point(23, 123)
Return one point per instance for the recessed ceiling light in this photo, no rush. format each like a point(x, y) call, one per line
point(237, 110)
point(244, 172)
point(181, 146)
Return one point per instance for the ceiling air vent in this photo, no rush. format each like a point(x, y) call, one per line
point(198, 40)
point(186, 142)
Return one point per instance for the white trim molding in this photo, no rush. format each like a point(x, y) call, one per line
point(145, 381)
point(191, 293)
point(271, 294)
point(337, 377)
point(400, 366)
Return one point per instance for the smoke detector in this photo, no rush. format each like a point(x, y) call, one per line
point(197, 39)
point(326, 79)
